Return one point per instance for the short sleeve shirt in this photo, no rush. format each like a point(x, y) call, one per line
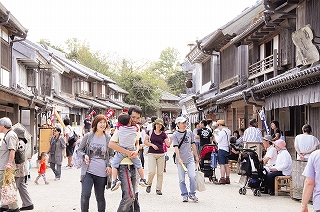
point(158, 140)
point(312, 170)
point(185, 151)
point(8, 142)
point(205, 135)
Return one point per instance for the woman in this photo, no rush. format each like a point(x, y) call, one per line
point(156, 156)
point(96, 167)
point(239, 141)
point(56, 152)
point(22, 172)
point(276, 131)
point(282, 167)
point(69, 142)
point(305, 143)
point(270, 157)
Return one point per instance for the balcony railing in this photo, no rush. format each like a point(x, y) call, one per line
point(264, 66)
point(86, 93)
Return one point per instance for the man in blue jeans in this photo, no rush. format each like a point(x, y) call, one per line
point(127, 173)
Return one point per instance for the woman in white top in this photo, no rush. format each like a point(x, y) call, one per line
point(282, 167)
point(305, 143)
point(270, 157)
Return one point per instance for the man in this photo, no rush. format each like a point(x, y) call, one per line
point(223, 140)
point(87, 125)
point(7, 152)
point(311, 184)
point(126, 172)
point(209, 125)
point(204, 134)
point(185, 155)
point(253, 137)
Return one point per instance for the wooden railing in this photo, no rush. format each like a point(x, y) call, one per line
point(263, 66)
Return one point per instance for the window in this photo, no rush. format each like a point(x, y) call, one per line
point(5, 77)
point(66, 84)
point(206, 72)
point(5, 55)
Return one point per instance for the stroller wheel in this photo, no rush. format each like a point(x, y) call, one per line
point(240, 191)
point(210, 179)
point(258, 193)
point(244, 191)
point(255, 192)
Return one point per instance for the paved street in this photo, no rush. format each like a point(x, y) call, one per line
point(64, 195)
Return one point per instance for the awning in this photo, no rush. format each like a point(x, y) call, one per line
point(295, 97)
point(91, 103)
point(108, 104)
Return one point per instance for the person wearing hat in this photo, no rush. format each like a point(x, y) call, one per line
point(185, 155)
point(282, 167)
point(156, 156)
point(22, 171)
point(223, 140)
point(270, 157)
point(7, 152)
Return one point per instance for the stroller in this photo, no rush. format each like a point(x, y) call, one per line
point(252, 172)
point(208, 161)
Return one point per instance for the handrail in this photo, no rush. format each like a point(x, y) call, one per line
point(261, 66)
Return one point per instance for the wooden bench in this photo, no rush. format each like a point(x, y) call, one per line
point(282, 181)
point(233, 165)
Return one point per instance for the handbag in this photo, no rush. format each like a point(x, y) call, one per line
point(9, 190)
point(174, 154)
point(200, 185)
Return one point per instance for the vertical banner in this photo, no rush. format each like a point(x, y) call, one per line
point(264, 122)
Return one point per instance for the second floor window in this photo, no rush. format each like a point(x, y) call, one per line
point(206, 72)
point(5, 55)
point(66, 84)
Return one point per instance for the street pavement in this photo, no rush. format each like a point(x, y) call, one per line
point(64, 195)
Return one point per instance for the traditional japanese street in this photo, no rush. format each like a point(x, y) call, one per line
point(64, 195)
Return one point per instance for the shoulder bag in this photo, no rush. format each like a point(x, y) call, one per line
point(174, 154)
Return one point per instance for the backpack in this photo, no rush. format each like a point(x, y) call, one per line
point(73, 139)
point(19, 156)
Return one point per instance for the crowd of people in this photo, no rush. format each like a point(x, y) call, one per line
point(113, 157)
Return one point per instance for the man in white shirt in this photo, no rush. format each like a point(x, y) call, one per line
point(253, 137)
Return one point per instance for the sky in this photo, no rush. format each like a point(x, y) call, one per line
point(133, 29)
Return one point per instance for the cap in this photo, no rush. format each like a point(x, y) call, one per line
point(280, 143)
point(6, 122)
point(19, 132)
point(158, 121)
point(180, 119)
point(267, 138)
point(220, 122)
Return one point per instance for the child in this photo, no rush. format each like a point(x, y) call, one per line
point(42, 168)
point(128, 139)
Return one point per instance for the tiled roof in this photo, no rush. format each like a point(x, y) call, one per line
point(117, 88)
point(169, 96)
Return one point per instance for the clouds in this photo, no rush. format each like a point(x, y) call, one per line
point(134, 28)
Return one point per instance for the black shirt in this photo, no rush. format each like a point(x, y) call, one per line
point(205, 135)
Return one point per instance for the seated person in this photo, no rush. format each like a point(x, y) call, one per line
point(270, 157)
point(282, 167)
point(234, 149)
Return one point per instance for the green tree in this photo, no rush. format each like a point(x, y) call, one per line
point(48, 43)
